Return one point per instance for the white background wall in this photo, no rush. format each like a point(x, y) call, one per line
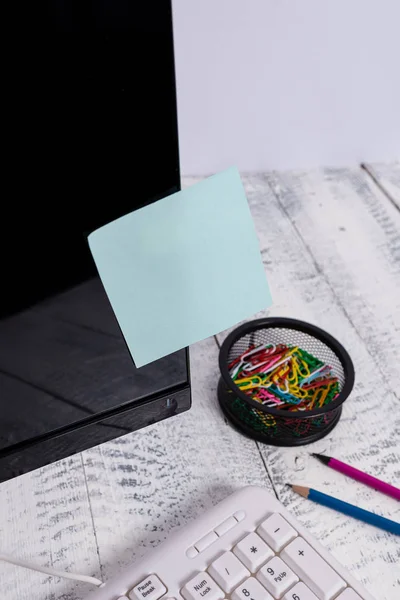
point(286, 83)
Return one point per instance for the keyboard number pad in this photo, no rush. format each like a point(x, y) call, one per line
point(300, 592)
point(251, 589)
point(276, 532)
point(349, 595)
point(253, 552)
point(313, 570)
point(277, 577)
point(150, 588)
point(228, 571)
point(202, 587)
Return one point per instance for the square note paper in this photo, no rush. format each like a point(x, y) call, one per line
point(182, 269)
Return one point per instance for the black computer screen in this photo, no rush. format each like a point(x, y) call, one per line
point(89, 134)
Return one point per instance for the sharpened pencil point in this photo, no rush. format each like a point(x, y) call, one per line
point(324, 459)
point(301, 490)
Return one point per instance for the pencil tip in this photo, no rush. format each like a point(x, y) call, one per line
point(288, 485)
point(299, 489)
point(324, 459)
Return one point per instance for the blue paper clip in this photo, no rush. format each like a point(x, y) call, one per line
point(285, 396)
point(315, 374)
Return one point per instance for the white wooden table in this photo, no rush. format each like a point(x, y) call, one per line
point(330, 241)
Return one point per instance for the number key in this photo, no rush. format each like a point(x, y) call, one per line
point(251, 589)
point(276, 577)
point(300, 592)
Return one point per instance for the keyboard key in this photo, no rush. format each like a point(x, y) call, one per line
point(191, 552)
point(206, 541)
point(251, 589)
point(300, 592)
point(225, 526)
point(253, 552)
point(150, 588)
point(276, 577)
point(277, 532)
point(349, 595)
point(228, 571)
point(312, 569)
point(202, 587)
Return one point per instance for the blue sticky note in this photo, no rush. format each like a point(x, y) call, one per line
point(183, 268)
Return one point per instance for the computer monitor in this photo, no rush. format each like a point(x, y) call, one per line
point(92, 135)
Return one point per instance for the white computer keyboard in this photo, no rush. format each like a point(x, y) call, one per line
point(248, 547)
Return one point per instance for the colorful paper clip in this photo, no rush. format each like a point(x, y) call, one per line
point(284, 376)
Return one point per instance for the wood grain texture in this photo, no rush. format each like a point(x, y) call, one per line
point(387, 177)
point(353, 234)
point(302, 264)
point(96, 512)
point(45, 518)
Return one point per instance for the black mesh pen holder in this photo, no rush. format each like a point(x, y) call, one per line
point(284, 425)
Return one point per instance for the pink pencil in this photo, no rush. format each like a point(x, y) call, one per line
point(377, 484)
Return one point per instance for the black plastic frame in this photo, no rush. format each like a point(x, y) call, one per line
point(262, 437)
point(103, 426)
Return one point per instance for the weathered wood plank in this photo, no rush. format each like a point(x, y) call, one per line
point(387, 177)
point(142, 486)
point(365, 436)
point(353, 234)
point(45, 518)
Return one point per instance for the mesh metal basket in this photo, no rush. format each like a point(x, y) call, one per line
point(275, 425)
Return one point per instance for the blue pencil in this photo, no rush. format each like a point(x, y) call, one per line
point(348, 509)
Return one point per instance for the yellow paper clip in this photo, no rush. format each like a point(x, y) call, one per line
point(249, 382)
point(295, 390)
